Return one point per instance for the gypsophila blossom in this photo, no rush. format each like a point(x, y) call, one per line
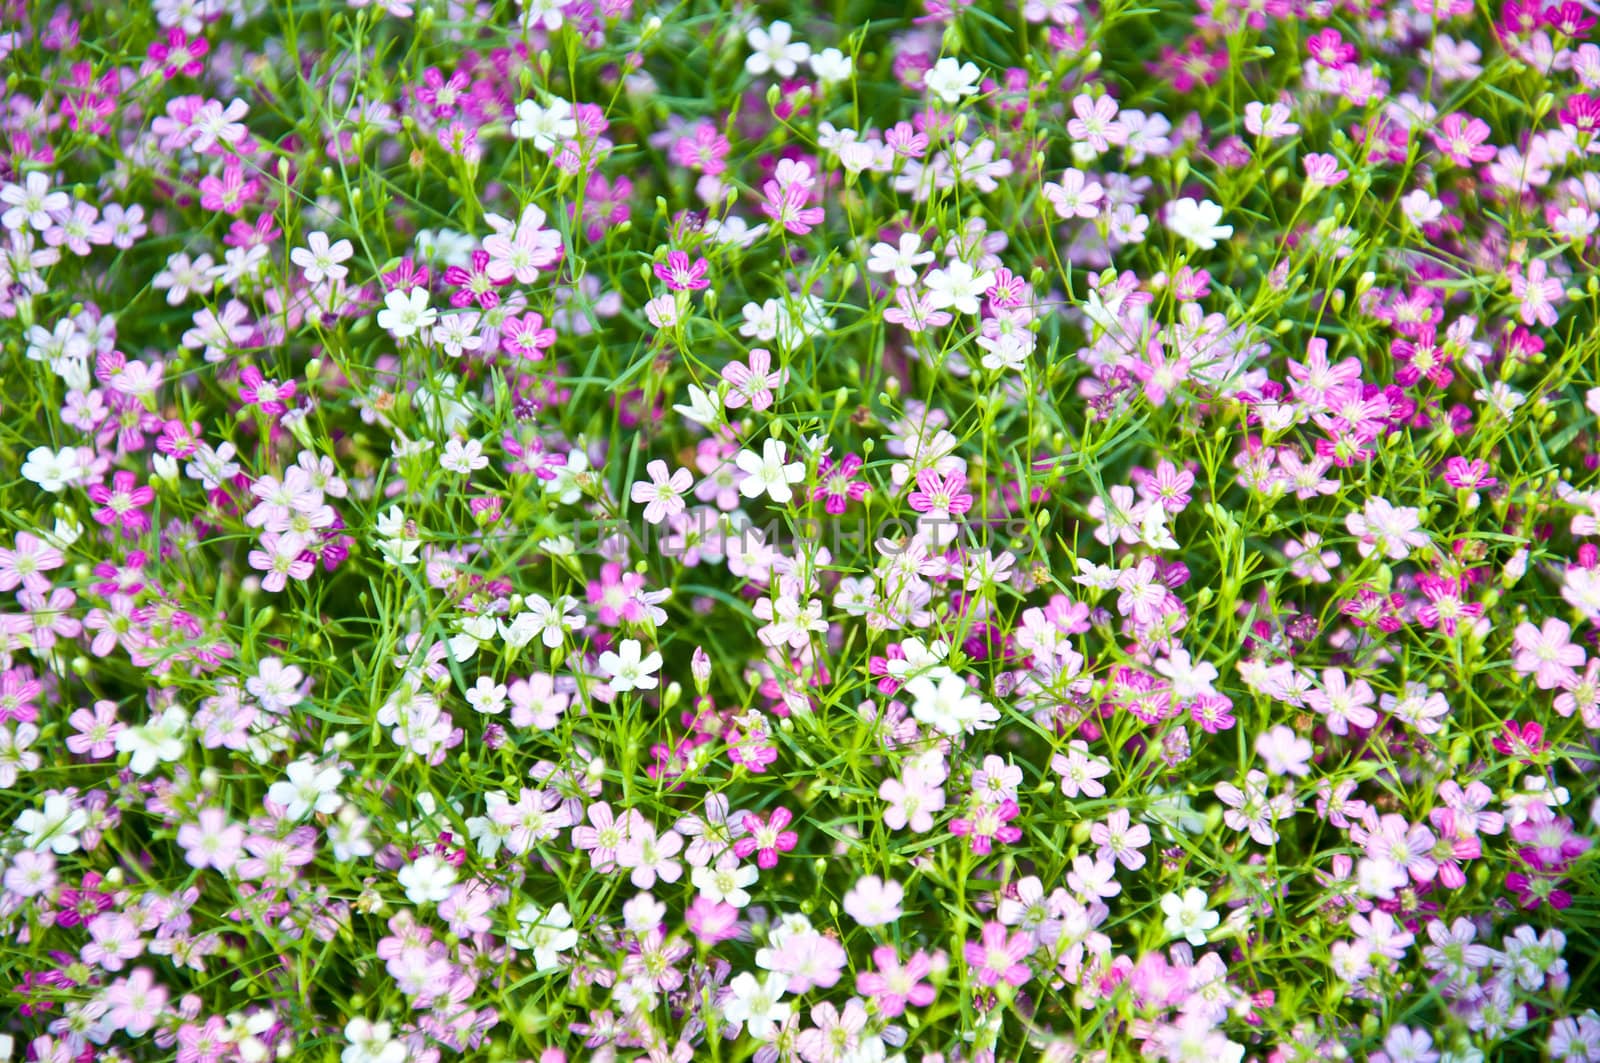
point(579, 529)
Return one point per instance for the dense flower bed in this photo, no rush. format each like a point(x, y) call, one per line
point(973, 532)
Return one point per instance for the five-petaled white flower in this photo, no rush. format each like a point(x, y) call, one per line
point(768, 473)
point(774, 49)
point(319, 260)
point(628, 670)
point(545, 126)
point(406, 313)
point(1187, 916)
point(952, 80)
point(1197, 222)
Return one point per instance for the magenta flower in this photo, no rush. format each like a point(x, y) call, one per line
point(987, 825)
point(256, 390)
point(121, 504)
point(230, 193)
point(1535, 888)
point(1419, 359)
point(178, 54)
point(766, 839)
point(680, 276)
point(1468, 475)
point(474, 284)
point(837, 485)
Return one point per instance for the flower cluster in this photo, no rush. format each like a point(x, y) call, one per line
point(547, 530)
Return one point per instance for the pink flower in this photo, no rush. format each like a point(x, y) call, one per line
point(752, 383)
point(526, 337)
point(97, 731)
point(1537, 292)
point(662, 494)
point(1461, 138)
point(211, 841)
point(522, 250)
point(1546, 653)
point(912, 801)
point(712, 921)
point(1096, 122)
point(26, 563)
point(1322, 171)
point(894, 984)
point(945, 496)
point(282, 557)
point(786, 205)
point(135, 1003)
point(998, 956)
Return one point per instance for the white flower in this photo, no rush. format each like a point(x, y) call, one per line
point(406, 313)
point(767, 473)
point(919, 657)
point(958, 285)
point(772, 49)
point(1197, 222)
point(757, 1004)
point(703, 408)
point(487, 696)
point(162, 740)
point(308, 788)
point(371, 1042)
point(831, 65)
point(320, 260)
point(446, 247)
point(54, 827)
point(463, 458)
point(471, 632)
point(571, 478)
point(873, 901)
point(544, 125)
point(69, 529)
point(1501, 396)
point(951, 80)
point(628, 671)
point(397, 541)
point(545, 934)
point(1187, 916)
point(52, 470)
point(32, 202)
point(725, 883)
point(550, 621)
point(429, 880)
point(944, 701)
point(902, 261)
point(1189, 680)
